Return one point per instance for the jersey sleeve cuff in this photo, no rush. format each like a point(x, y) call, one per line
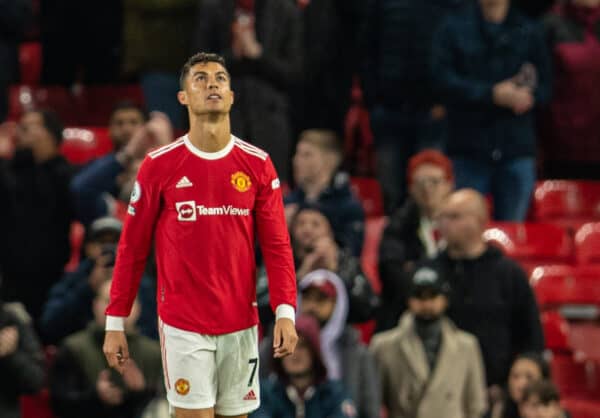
point(115, 323)
point(285, 311)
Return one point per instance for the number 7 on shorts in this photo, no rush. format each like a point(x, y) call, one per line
point(254, 363)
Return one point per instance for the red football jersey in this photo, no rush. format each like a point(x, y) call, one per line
point(203, 210)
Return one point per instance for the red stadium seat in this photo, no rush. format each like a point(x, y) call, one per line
point(582, 408)
point(76, 237)
point(30, 62)
point(36, 406)
point(531, 243)
point(566, 201)
point(561, 285)
point(556, 332)
point(369, 258)
point(81, 145)
point(368, 192)
point(587, 244)
point(585, 339)
point(23, 98)
point(98, 101)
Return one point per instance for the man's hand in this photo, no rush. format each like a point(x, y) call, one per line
point(504, 92)
point(160, 129)
point(523, 101)
point(116, 350)
point(284, 337)
point(327, 250)
point(133, 377)
point(107, 391)
point(9, 341)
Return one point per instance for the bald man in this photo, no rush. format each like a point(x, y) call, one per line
point(490, 295)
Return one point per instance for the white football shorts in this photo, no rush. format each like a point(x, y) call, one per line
point(211, 371)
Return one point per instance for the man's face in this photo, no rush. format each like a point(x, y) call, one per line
point(123, 124)
point(309, 163)
point(308, 227)
point(207, 90)
point(93, 249)
point(301, 361)
point(318, 305)
point(428, 306)
point(32, 131)
point(429, 187)
point(522, 373)
point(459, 223)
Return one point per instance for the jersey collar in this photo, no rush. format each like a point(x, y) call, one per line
point(209, 155)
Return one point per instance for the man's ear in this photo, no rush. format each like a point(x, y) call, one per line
point(232, 97)
point(182, 97)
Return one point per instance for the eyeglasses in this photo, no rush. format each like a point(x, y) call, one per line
point(428, 181)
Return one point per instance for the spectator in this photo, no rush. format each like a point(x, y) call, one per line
point(13, 21)
point(81, 385)
point(157, 39)
point(261, 42)
point(331, 37)
point(542, 400)
point(525, 370)
point(21, 359)
point(490, 297)
point(429, 368)
point(572, 128)
point(35, 214)
point(344, 355)
point(318, 180)
point(412, 235)
point(69, 305)
point(314, 248)
point(492, 69)
point(406, 113)
point(100, 186)
point(300, 387)
point(125, 119)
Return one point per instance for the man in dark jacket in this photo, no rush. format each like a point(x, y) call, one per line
point(316, 164)
point(98, 187)
point(21, 360)
point(13, 20)
point(490, 297)
point(35, 214)
point(82, 385)
point(412, 235)
point(261, 41)
point(299, 387)
point(406, 113)
point(491, 66)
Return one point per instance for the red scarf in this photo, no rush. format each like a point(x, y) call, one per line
point(246, 5)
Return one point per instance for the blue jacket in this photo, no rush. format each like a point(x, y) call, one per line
point(91, 185)
point(469, 56)
point(343, 210)
point(329, 400)
point(69, 306)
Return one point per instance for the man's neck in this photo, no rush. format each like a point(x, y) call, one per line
point(495, 13)
point(210, 133)
point(302, 383)
point(471, 251)
point(313, 189)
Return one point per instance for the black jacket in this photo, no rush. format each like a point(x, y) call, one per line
point(491, 298)
point(21, 372)
point(35, 219)
point(397, 44)
point(343, 210)
point(261, 86)
point(400, 246)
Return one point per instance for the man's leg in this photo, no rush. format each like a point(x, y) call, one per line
point(512, 185)
point(194, 413)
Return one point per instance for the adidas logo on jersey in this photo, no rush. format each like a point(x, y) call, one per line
point(251, 396)
point(183, 182)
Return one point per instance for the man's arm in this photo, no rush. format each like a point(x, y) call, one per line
point(133, 250)
point(452, 86)
point(526, 324)
point(274, 241)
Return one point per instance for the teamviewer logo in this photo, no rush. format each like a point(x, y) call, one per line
point(186, 211)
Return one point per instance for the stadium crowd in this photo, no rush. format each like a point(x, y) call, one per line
point(466, 102)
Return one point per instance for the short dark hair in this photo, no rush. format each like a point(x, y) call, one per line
point(127, 104)
point(52, 123)
point(536, 358)
point(545, 391)
point(199, 58)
